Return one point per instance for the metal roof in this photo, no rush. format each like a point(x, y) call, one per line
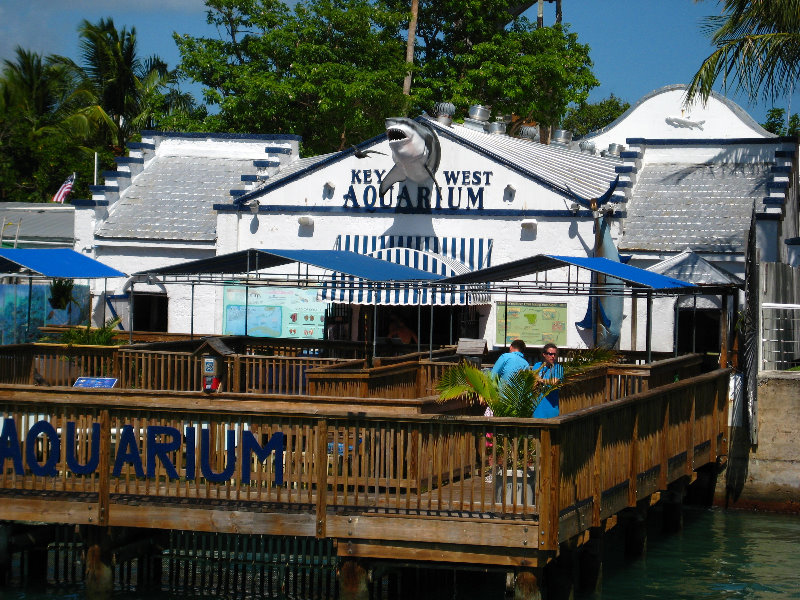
point(340, 261)
point(172, 199)
point(54, 262)
point(587, 175)
point(690, 266)
point(39, 224)
point(704, 206)
point(633, 276)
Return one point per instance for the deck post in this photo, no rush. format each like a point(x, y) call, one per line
point(590, 565)
point(634, 521)
point(353, 581)
point(527, 585)
point(5, 554)
point(561, 574)
point(672, 506)
point(548, 492)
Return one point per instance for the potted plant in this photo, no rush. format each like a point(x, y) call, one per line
point(61, 293)
point(517, 397)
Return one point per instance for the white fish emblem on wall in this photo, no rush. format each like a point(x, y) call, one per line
point(684, 123)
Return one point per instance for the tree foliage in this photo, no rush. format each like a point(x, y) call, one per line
point(776, 122)
point(757, 49)
point(331, 71)
point(55, 114)
point(591, 116)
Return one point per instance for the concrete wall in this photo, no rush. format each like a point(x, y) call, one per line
point(766, 476)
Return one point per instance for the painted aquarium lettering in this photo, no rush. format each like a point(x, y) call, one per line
point(160, 442)
point(463, 190)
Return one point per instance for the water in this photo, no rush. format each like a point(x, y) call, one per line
point(718, 556)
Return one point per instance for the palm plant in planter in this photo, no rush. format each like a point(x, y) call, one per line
point(517, 397)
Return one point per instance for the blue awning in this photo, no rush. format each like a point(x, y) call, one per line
point(339, 261)
point(54, 262)
point(633, 276)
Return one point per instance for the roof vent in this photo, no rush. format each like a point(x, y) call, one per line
point(614, 150)
point(479, 112)
point(444, 112)
point(530, 132)
point(561, 137)
point(587, 146)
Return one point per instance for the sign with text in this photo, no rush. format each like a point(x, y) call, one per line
point(95, 382)
point(535, 323)
point(273, 312)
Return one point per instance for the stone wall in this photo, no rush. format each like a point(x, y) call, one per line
point(766, 476)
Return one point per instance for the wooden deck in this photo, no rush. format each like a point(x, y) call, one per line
point(381, 479)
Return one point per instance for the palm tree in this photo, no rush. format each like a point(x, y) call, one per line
point(758, 49)
point(131, 90)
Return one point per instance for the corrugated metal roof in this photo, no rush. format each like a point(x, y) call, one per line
point(39, 224)
point(587, 175)
point(706, 207)
point(690, 266)
point(172, 199)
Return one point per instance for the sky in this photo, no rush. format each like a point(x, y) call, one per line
point(637, 46)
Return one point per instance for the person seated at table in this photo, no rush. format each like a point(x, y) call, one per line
point(551, 373)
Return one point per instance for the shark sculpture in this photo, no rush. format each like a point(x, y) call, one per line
point(604, 318)
point(415, 150)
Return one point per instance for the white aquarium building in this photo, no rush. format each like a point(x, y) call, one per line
point(447, 198)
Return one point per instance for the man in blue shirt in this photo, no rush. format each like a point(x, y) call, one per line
point(511, 362)
point(551, 373)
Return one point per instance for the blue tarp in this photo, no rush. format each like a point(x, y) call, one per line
point(54, 262)
point(633, 276)
point(340, 261)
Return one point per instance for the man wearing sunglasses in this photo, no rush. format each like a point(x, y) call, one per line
point(549, 371)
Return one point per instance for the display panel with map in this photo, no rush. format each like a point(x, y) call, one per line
point(535, 323)
point(274, 312)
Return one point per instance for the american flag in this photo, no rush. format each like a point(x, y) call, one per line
point(64, 190)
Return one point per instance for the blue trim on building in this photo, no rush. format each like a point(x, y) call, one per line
point(777, 185)
point(237, 193)
point(625, 169)
point(223, 136)
point(781, 169)
point(103, 188)
point(784, 154)
point(141, 146)
point(795, 241)
point(249, 177)
point(341, 210)
point(117, 174)
point(630, 154)
point(277, 150)
point(88, 203)
point(762, 216)
point(773, 201)
point(127, 160)
point(705, 141)
point(266, 163)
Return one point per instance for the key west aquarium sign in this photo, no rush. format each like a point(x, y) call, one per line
point(416, 153)
point(160, 442)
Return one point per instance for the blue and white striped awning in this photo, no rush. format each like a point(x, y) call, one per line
point(444, 256)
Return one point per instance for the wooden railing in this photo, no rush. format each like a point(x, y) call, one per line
point(353, 379)
point(161, 460)
point(54, 364)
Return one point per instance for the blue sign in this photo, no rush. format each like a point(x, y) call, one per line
point(95, 382)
